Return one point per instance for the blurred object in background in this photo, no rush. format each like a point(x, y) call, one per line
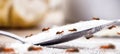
point(53, 18)
point(55, 14)
point(27, 13)
point(31, 13)
point(4, 12)
point(86, 9)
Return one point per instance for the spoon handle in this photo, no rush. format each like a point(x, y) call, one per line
point(13, 36)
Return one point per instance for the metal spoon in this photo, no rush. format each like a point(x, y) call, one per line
point(13, 36)
point(62, 39)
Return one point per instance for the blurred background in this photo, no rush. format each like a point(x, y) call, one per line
point(32, 13)
point(86, 9)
